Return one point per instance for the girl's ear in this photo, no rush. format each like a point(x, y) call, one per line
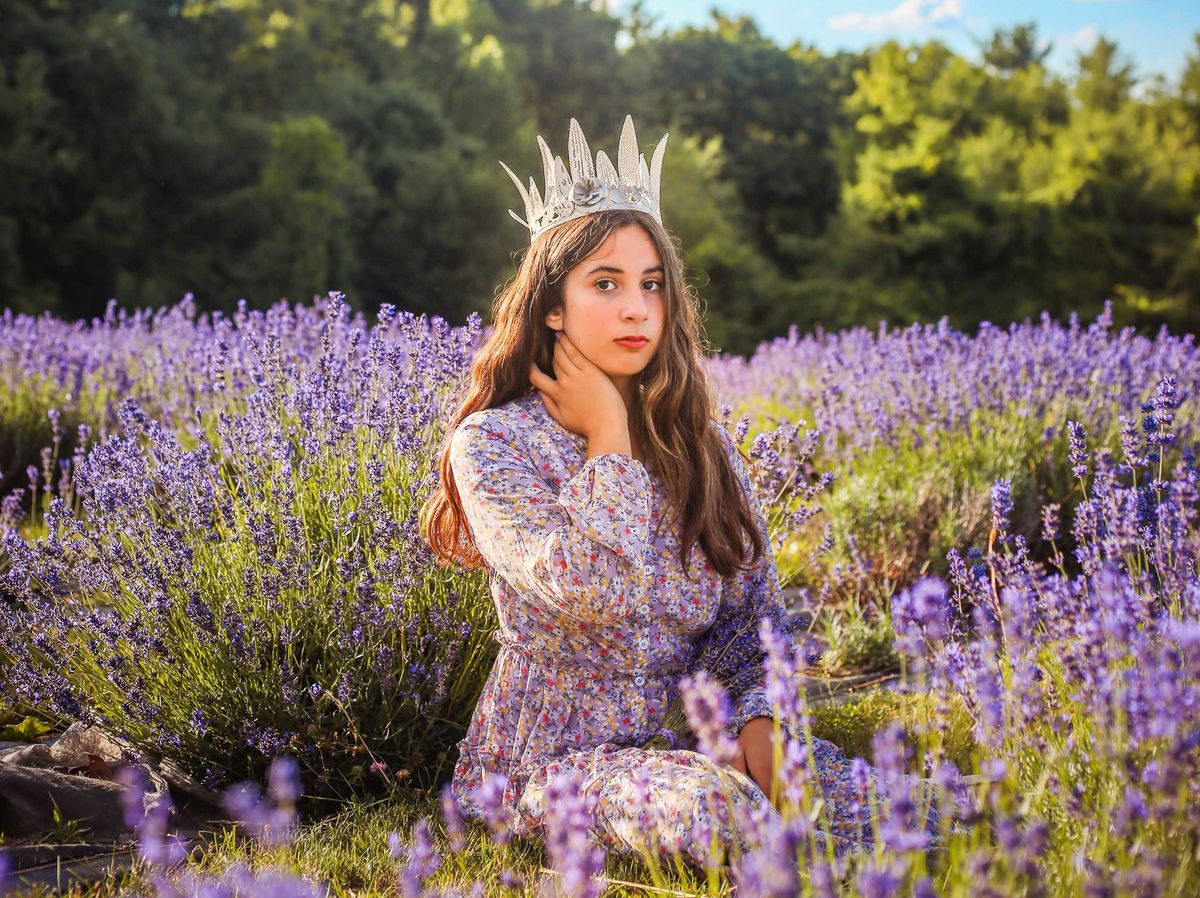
point(554, 320)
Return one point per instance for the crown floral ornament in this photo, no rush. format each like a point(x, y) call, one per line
point(589, 187)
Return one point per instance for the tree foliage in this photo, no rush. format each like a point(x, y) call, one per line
point(237, 148)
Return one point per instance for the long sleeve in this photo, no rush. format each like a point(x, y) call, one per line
point(577, 553)
point(730, 649)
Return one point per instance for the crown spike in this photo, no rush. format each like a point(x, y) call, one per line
point(604, 168)
point(547, 167)
point(562, 180)
point(518, 217)
point(520, 186)
point(627, 153)
point(643, 172)
point(578, 154)
point(656, 167)
point(535, 200)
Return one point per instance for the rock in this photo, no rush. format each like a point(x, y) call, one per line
point(80, 742)
point(182, 781)
point(59, 867)
point(35, 755)
point(82, 748)
point(74, 772)
point(29, 795)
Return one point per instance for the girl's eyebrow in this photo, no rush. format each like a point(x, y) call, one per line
point(657, 268)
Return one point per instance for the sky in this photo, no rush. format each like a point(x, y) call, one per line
point(1154, 35)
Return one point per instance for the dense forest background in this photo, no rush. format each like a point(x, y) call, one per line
point(239, 148)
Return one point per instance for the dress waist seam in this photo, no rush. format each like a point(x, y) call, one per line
point(572, 664)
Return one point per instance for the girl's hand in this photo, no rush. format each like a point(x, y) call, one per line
point(756, 758)
point(580, 397)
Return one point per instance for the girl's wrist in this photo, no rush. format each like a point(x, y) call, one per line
point(612, 438)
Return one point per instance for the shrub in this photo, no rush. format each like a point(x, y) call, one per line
point(267, 590)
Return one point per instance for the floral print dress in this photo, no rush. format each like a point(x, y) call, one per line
point(597, 625)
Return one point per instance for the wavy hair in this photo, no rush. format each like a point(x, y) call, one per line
point(673, 417)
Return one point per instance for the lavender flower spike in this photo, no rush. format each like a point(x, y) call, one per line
point(706, 704)
point(420, 859)
point(779, 666)
point(573, 852)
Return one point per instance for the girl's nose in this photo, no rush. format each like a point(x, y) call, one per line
point(637, 307)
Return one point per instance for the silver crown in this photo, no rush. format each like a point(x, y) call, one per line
point(591, 188)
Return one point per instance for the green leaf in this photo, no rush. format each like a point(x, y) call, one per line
point(26, 731)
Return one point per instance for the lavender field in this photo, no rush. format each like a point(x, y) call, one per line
point(211, 547)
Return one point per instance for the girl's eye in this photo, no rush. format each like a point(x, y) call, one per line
point(657, 284)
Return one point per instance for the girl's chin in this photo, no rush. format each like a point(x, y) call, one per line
point(628, 366)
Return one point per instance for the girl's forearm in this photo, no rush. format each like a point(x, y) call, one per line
point(757, 743)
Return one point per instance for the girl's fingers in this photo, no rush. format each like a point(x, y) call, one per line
point(539, 379)
point(551, 406)
point(577, 358)
point(562, 358)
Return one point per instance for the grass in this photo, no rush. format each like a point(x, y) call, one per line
point(348, 851)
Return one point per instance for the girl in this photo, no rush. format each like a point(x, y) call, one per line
point(612, 513)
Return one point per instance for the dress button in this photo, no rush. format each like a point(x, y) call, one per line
point(639, 680)
point(643, 642)
point(643, 610)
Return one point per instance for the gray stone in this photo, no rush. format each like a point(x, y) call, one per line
point(33, 755)
point(29, 795)
point(75, 774)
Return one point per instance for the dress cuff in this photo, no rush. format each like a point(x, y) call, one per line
point(752, 703)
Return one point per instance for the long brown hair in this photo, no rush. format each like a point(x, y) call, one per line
point(673, 417)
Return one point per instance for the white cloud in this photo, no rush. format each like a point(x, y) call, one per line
point(908, 15)
point(1083, 38)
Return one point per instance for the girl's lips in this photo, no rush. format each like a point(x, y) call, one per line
point(633, 344)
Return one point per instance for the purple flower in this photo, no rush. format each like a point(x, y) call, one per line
point(272, 824)
point(780, 669)
point(924, 888)
point(574, 852)
point(1077, 453)
point(769, 869)
point(1132, 810)
point(880, 881)
point(283, 778)
point(491, 800)
point(706, 705)
point(922, 617)
point(418, 861)
point(1050, 522)
point(452, 819)
point(1002, 508)
point(822, 880)
point(994, 769)
point(150, 823)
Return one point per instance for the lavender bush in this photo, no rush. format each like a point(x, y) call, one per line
point(919, 422)
point(241, 572)
point(267, 589)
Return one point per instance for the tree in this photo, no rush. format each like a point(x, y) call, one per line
point(773, 111)
point(1011, 50)
point(1105, 78)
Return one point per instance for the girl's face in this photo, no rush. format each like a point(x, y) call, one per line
point(618, 291)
